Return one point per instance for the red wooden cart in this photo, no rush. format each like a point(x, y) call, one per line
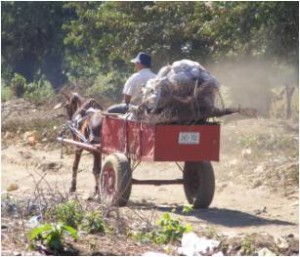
point(126, 143)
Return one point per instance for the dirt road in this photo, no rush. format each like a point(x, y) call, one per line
point(251, 195)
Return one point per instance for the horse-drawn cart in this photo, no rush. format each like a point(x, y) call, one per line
point(126, 143)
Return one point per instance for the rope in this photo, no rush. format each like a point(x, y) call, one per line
point(77, 132)
point(195, 99)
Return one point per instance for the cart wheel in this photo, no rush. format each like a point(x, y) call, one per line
point(115, 180)
point(199, 183)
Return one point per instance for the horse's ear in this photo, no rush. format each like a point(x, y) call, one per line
point(74, 97)
point(75, 94)
point(65, 95)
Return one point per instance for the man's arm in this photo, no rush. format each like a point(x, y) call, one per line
point(128, 88)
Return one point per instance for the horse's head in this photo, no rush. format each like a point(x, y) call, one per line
point(73, 103)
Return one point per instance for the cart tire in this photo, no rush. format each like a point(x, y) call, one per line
point(199, 183)
point(115, 180)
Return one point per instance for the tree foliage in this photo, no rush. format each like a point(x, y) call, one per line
point(32, 40)
point(84, 39)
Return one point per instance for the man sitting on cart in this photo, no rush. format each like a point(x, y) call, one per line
point(132, 89)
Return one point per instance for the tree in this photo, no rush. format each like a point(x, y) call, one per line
point(113, 32)
point(32, 40)
point(257, 29)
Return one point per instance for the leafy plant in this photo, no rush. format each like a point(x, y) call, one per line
point(51, 236)
point(169, 230)
point(70, 213)
point(186, 209)
point(93, 222)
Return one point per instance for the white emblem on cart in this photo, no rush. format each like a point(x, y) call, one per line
point(189, 138)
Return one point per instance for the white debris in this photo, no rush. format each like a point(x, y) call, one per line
point(34, 221)
point(246, 152)
point(218, 254)
point(265, 252)
point(192, 245)
point(281, 242)
point(259, 169)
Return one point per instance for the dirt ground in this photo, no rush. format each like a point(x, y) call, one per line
point(255, 188)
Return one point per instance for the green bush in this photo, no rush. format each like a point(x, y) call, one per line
point(93, 223)
point(38, 91)
point(18, 83)
point(70, 213)
point(6, 92)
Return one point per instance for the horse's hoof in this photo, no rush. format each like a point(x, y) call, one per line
point(95, 196)
point(90, 198)
point(72, 190)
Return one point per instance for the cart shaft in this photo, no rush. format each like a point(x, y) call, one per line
point(88, 147)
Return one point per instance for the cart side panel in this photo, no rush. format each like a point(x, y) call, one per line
point(148, 142)
point(132, 138)
point(187, 143)
point(113, 135)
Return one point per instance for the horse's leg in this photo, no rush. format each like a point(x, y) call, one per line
point(78, 152)
point(97, 170)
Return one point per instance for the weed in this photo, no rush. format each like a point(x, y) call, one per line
point(70, 213)
point(92, 245)
point(294, 173)
point(93, 223)
point(168, 230)
point(6, 93)
point(247, 141)
point(142, 237)
point(248, 247)
point(51, 236)
point(210, 232)
point(186, 209)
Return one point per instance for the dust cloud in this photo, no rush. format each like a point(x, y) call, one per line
point(251, 83)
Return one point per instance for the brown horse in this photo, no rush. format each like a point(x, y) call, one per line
point(85, 124)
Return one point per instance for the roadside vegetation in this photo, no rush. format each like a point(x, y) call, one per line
point(57, 224)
